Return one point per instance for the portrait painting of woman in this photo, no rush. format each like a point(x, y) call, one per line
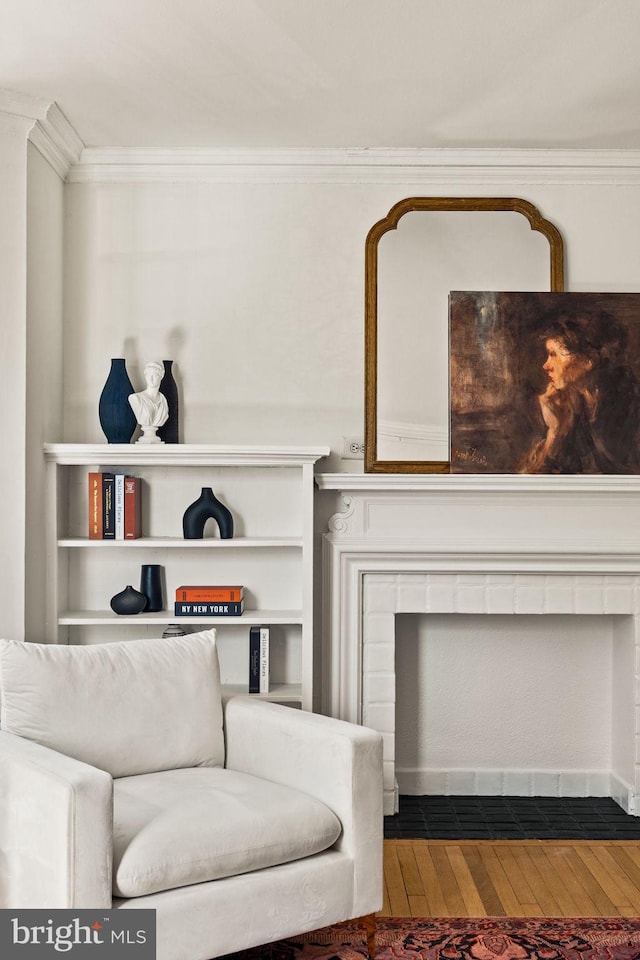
point(545, 383)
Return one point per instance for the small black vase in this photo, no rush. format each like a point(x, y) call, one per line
point(128, 602)
point(151, 586)
point(207, 507)
point(117, 419)
point(169, 431)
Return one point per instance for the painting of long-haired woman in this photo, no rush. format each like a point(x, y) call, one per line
point(545, 383)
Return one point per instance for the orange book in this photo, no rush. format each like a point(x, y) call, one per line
point(206, 594)
point(95, 506)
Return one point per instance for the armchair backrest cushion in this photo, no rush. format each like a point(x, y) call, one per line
point(127, 707)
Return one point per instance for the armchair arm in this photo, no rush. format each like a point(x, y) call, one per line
point(56, 818)
point(340, 763)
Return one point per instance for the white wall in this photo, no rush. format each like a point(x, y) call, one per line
point(13, 244)
point(44, 363)
point(256, 291)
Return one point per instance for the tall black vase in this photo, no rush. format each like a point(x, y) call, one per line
point(117, 419)
point(151, 586)
point(169, 431)
point(207, 507)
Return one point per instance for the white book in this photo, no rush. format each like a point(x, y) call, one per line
point(264, 659)
point(119, 505)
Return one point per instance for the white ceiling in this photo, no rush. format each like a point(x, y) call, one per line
point(331, 73)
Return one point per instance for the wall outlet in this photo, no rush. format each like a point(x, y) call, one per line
point(352, 448)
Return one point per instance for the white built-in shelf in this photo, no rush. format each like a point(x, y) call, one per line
point(278, 693)
point(173, 543)
point(70, 618)
point(270, 492)
point(182, 454)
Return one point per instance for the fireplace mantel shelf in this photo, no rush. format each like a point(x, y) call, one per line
point(592, 520)
point(478, 483)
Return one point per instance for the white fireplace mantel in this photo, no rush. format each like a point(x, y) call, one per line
point(477, 544)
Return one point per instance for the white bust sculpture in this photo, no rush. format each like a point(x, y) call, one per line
point(150, 406)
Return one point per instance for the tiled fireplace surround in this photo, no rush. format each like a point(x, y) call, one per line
point(480, 545)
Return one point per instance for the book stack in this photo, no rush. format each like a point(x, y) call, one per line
point(115, 506)
point(209, 601)
point(259, 660)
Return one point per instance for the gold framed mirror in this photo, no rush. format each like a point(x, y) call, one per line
point(412, 263)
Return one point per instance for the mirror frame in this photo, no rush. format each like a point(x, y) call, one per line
point(378, 230)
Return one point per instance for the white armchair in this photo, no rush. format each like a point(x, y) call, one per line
point(126, 783)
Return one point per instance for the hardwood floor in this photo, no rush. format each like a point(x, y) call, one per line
point(534, 878)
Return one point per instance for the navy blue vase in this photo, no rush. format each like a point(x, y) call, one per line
point(128, 602)
point(169, 431)
point(117, 419)
point(207, 507)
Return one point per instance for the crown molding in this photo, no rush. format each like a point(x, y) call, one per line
point(57, 141)
point(47, 129)
point(422, 167)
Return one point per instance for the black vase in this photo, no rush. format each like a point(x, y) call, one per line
point(169, 431)
point(151, 586)
point(117, 419)
point(207, 507)
point(128, 602)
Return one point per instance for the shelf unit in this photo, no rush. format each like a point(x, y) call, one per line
point(269, 491)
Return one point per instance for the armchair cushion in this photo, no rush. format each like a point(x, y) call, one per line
point(182, 827)
point(135, 717)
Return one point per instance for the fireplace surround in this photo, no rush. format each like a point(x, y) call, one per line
point(467, 544)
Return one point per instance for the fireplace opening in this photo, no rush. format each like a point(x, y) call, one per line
point(515, 705)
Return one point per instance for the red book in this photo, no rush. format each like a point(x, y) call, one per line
point(95, 506)
point(132, 508)
point(213, 594)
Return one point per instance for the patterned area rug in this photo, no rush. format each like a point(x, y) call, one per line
point(490, 938)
